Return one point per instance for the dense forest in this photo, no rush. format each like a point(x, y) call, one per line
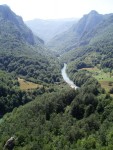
point(53, 116)
point(62, 119)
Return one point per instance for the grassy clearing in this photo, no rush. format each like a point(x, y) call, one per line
point(105, 84)
point(26, 85)
point(104, 78)
point(91, 69)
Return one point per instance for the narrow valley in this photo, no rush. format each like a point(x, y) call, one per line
point(42, 64)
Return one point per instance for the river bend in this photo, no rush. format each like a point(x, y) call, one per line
point(66, 78)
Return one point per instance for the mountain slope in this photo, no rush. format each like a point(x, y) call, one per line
point(22, 52)
point(47, 29)
point(98, 41)
point(73, 37)
point(11, 24)
point(56, 117)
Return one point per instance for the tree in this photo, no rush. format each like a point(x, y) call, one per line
point(111, 91)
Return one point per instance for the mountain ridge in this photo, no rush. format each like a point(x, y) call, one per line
point(8, 19)
point(47, 29)
point(54, 116)
point(73, 36)
point(22, 52)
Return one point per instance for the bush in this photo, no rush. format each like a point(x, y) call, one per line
point(111, 91)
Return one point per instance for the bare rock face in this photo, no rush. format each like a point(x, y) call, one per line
point(9, 145)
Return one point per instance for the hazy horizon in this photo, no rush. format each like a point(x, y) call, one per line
point(57, 9)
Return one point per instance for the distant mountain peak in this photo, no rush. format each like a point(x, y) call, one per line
point(15, 27)
point(77, 33)
point(88, 22)
point(7, 14)
point(5, 9)
point(4, 6)
point(93, 12)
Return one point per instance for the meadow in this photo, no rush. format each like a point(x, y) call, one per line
point(104, 78)
point(26, 85)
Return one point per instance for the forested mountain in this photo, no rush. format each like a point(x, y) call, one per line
point(47, 29)
point(96, 45)
point(62, 119)
point(75, 35)
point(13, 27)
point(22, 52)
point(53, 116)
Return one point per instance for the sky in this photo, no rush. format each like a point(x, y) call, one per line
point(56, 9)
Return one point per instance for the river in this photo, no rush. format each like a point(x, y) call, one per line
point(66, 78)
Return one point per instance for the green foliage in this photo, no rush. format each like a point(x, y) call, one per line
point(39, 69)
point(94, 47)
point(23, 53)
point(111, 91)
point(62, 119)
point(55, 117)
point(79, 34)
point(10, 94)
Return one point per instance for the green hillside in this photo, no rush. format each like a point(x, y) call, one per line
point(95, 47)
point(62, 119)
point(22, 52)
point(38, 110)
point(73, 37)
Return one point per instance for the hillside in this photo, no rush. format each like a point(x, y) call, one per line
point(38, 110)
point(47, 29)
point(11, 24)
point(22, 52)
point(94, 53)
point(62, 119)
point(74, 36)
point(96, 42)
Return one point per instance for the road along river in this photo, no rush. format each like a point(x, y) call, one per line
point(66, 78)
